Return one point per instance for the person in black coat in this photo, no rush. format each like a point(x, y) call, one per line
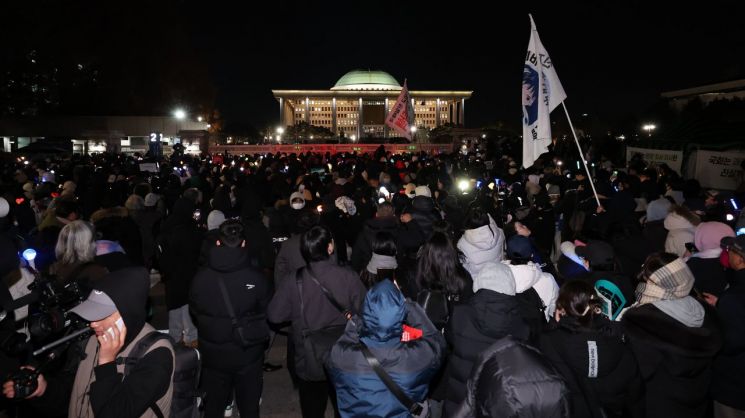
point(493, 312)
point(230, 363)
point(423, 210)
point(674, 339)
point(512, 379)
point(316, 246)
point(729, 365)
point(180, 240)
point(589, 352)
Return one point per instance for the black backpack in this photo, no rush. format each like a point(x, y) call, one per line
point(436, 305)
point(531, 309)
point(186, 394)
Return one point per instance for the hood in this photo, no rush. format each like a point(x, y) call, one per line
point(526, 276)
point(423, 203)
point(674, 221)
point(383, 315)
point(115, 212)
point(485, 237)
point(687, 311)
point(658, 209)
point(183, 210)
point(226, 259)
point(386, 223)
point(709, 235)
point(128, 289)
point(494, 312)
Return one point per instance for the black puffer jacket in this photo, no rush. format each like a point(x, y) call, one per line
point(474, 326)
point(409, 237)
point(674, 360)
point(610, 381)
point(425, 214)
point(249, 292)
point(513, 379)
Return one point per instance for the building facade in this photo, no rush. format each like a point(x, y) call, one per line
point(359, 102)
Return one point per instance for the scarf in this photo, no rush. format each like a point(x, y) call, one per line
point(378, 261)
point(672, 281)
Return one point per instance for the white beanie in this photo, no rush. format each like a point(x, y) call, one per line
point(422, 191)
point(151, 199)
point(497, 277)
point(4, 207)
point(215, 219)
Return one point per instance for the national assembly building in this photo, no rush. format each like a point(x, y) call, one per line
point(359, 102)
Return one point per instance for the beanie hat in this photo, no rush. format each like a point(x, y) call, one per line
point(496, 277)
point(215, 219)
point(422, 191)
point(151, 199)
point(709, 235)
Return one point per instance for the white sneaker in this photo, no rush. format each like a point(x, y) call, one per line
point(229, 411)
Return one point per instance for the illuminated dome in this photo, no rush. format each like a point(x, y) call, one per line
point(367, 80)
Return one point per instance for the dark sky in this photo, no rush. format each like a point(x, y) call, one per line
point(613, 60)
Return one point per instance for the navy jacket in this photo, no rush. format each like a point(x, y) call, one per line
point(359, 391)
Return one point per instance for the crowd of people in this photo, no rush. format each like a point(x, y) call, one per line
point(450, 285)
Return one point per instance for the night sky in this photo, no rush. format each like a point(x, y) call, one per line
point(613, 60)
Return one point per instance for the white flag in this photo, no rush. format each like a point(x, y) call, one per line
point(401, 116)
point(541, 93)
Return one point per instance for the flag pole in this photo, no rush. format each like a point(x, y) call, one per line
point(581, 155)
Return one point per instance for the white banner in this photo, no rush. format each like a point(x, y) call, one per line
point(541, 93)
point(674, 159)
point(401, 116)
point(719, 169)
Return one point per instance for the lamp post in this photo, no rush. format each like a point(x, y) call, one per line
point(649, 127)
point(179, 114)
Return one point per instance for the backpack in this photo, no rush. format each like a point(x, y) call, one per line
point(436, 305)
point(186, 395)
point(531, 309)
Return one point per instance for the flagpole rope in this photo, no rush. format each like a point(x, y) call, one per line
point(581, 155)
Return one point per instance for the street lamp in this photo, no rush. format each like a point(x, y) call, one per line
point(280, 130)
point(199, 118)
point(353, 138)
point(179, 114)
point(649, 128)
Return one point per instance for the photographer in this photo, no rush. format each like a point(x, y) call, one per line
point(116, 308)
point(230, 290)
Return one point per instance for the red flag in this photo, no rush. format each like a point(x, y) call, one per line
point(402, 114)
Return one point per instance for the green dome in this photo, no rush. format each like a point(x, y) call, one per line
point(367, 80)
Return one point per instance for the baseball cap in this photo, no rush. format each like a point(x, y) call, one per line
point(151, 199)
point(96, 307)
point(519, 247)
point(4, 207)
point(596, 252)
point(734, 243)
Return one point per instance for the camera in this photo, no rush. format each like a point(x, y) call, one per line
point(25, 382)
point(53, 302)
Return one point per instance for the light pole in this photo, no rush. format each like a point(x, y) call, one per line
point(179, 114)
point(280, 131)
point(413, 130)
point(649, 127)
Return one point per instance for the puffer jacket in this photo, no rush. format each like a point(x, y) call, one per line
point(474, 326)
point(680, 232)
point(530, 275)
point(513, 379)
point(412, 364)
point(425, 214)
point(481, 245)
point(605, 364)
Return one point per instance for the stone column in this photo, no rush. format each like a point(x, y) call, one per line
point(281, 112)
point(437, 113)
point(359, 119)
point(333, 116)
point(385, 127)
point(307, 111)
point(463, 112)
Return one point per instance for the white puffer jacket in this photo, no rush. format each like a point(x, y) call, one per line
point(481, 245)
point(680, 231)
point(530, 275)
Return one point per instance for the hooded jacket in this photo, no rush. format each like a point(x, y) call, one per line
point(531, 276)
point(474, 326)
point(599, 356)
point(409, 237)
point(729, 365)
point(181, 241)
point(680, 232)
point(344, 285)
point(512, 379)
point(412, 364)
point(102, 390)
point(674, 355)
point(481, 245)
point(425, 214)
point(249, 292)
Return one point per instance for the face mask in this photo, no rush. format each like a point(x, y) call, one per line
point(512, 170)
point(298, 206)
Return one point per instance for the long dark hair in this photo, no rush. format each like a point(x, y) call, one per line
point(579, 301)
point(438, 266)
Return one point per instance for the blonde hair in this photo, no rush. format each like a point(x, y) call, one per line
point(76, 243)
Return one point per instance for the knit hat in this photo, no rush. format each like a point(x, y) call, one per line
point(151, 199)
point(346, 205)
point(410, 189)
point(215, 219)
point(297, 195)
point(4, 207)
point(423, 191)
point(671, 281)
point(709, 235)
point(496, 277)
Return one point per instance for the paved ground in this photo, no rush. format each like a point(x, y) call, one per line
point(279, 400)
